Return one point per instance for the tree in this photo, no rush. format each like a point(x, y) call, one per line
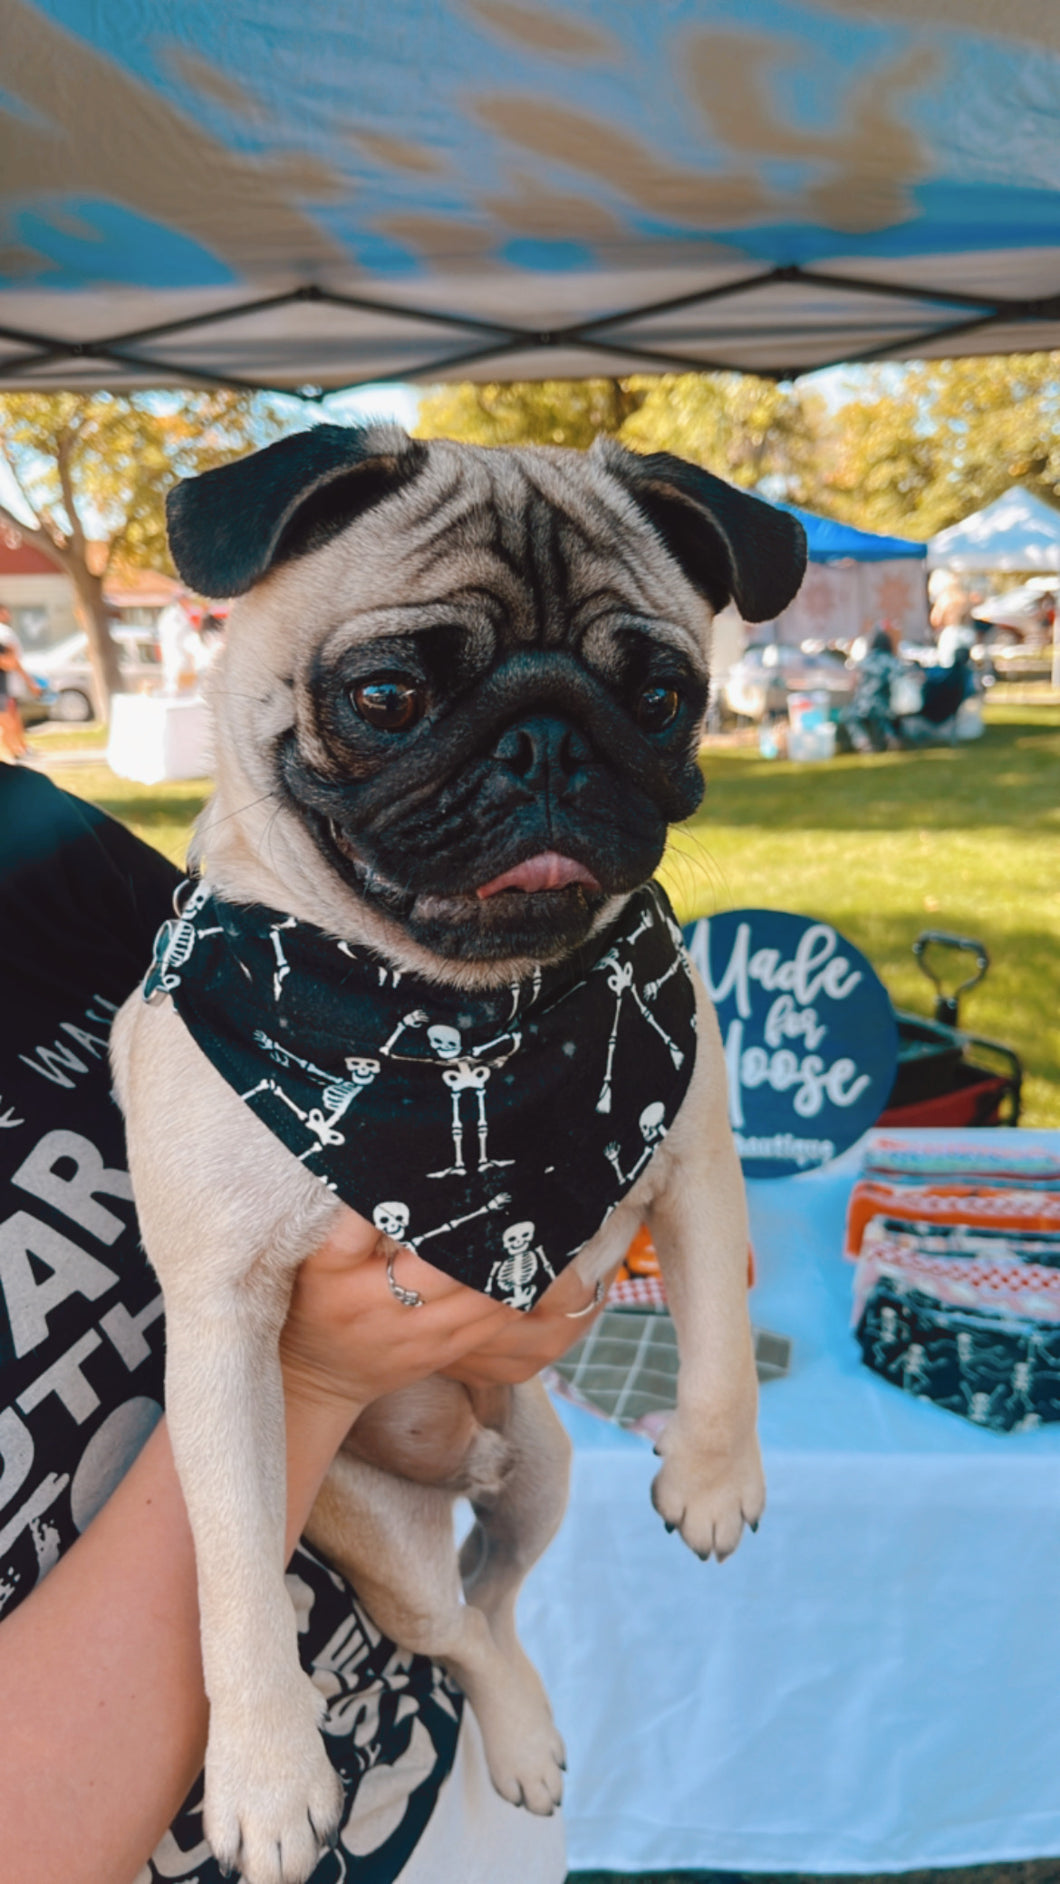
point(916, 448)
point(746, 429)
point(530, 412)
point(92, 469)
point(751, 431)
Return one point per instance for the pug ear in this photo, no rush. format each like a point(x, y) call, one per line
point(730, 545)
point(230, 526)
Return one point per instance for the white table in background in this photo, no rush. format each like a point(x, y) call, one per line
point(873, 1681)
point(155, 738)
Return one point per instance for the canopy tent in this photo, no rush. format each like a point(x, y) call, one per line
point(311, 197)
point(1016, 532)
point(830, 542)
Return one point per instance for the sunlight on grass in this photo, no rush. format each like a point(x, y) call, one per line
point(51, 736)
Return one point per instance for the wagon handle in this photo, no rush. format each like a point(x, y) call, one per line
point(946, 1005)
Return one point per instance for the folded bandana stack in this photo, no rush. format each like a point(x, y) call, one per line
point(492, 1132)
point(956, 1238)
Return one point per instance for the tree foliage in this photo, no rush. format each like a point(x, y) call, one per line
point(919, 447)
point(748, 430)
point(568, 412)
point(92, 469)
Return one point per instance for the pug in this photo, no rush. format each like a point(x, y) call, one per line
point(424, 974)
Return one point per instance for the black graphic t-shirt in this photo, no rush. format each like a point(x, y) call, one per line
point(492, 1131)
point(81, 1325)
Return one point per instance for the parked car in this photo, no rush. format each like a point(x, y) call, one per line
point(759, 683)
point(67, 672)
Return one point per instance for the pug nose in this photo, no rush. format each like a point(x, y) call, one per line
point(542, 748)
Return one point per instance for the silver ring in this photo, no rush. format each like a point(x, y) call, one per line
point(409, 1298)
point(575, 1314)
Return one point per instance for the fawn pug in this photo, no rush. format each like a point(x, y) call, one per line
point(424, 974)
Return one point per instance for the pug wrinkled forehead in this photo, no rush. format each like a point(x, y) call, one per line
point(473, 680)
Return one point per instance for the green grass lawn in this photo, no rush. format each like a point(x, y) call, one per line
point(880, 846)
point(53, 736)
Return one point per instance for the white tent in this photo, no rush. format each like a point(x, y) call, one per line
point(1016, 532)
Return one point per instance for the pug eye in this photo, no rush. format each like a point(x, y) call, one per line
point(657, 708)
point(392, 704)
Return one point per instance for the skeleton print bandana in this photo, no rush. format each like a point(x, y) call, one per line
point(491, 1132)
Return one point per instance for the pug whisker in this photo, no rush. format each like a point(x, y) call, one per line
point(695, 869)
point(266, 842)
point(214, 824)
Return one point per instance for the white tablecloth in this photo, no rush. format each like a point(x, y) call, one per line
point(873, 1681)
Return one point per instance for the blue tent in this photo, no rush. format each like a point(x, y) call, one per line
point(313, 196)
point(831, 542)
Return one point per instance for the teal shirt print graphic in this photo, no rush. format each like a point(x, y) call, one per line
point(810, 1038)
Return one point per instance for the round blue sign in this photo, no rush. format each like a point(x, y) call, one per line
point(811, 1042)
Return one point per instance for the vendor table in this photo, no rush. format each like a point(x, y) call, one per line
point(873, 1681)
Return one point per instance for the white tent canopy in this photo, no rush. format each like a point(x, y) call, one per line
point(1016, 532)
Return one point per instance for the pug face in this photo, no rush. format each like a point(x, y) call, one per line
point(479, 676)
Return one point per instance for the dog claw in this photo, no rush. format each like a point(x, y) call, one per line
point(668, 1527)
point(329, 1838)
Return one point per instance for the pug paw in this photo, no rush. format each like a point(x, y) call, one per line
point(272, 1796)
point(706, 1491)
point(524, 1750)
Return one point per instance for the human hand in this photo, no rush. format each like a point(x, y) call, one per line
point(348, 1340)
point(523, 1343)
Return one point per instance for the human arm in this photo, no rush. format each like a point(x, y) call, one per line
point(12, 664)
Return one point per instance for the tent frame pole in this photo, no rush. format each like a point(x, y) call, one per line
point(600, 335)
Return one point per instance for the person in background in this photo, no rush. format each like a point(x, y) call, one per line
point(947, 686)
point(13, 744)
point(951, 604)
point(180, 642)
point(958, 637)
point(869, 719)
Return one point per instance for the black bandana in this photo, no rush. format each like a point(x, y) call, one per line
point(492, 1132)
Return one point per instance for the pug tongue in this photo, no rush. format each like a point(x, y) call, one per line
point(549, 870)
